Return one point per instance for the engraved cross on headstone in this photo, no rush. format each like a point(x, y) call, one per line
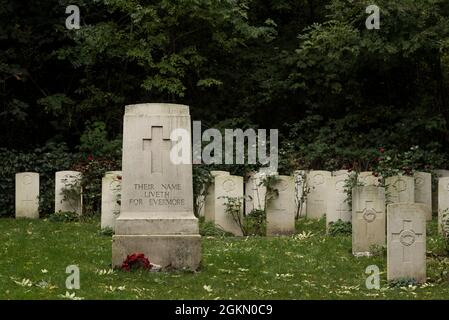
point(155, 147)
point(367, 215)
point(26, 185)
point(406, 237)
point(342, 210)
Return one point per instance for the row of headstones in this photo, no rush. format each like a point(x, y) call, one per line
point(325, 196)
point(403, 229)
point(27, 195)
point(280, 210)
point(312, 194)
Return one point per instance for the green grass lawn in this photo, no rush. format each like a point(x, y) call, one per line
point(308, 265)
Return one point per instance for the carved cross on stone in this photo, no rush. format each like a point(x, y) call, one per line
point(407, 237)
point(367, 216)
point(342, 210)
point(154, 147)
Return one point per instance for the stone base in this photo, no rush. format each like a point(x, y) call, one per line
point(156, 225)
point(171, 251)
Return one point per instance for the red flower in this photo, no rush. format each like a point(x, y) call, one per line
point(136, 261)
point(90, 157)
point(382, 150)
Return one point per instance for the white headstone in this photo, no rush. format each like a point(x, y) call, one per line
point(423, 191)
point(367, 178)
point(227, 186)
point(300, 177)
point(400, 189)
point(281, 209)
point(316, 198)
point(337, 202)
point(156, 214)
point(406, 241)
point(368, 219)
point(27, 195)
point(69, 181)
point(210, 199)
point(437, 174)
point(443, 204)
point(255, 191)
point(111, 185)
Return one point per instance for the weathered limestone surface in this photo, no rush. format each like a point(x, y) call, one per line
point(111, 185)
point(423, 191)
point(281, 209)
point(156, 216)
point(337, 205)
point(66, 180)
point(368, 219)
point(316, 198)
point(27, 195)
point(406, 241)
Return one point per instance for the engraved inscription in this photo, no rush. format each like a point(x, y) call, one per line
point(228, 185)
point(400, 185)
point(318, 179)
point(165, 194)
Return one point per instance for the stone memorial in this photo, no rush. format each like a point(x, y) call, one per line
point(367, 178)
point(400, 189)
point(435, 194)
point(156, 213)
point(227, 186)
point(316, 198)
point(111, 185)
point(337, 205)
point(368, 219)
point(281, 209)
point(27, 195)
point(423, 191)
point(68, 183)
point(406, 241)
point(443, 204)
point(210, 199)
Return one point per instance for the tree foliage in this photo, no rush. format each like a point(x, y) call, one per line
point(336, 90)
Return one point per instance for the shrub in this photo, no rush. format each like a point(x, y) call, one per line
point(209, 229)
point(234, 208)
point(255, 224)
point(340, 228)
point(64, 216)
point(46, 161)
point(93, 170)
point(94, 141)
